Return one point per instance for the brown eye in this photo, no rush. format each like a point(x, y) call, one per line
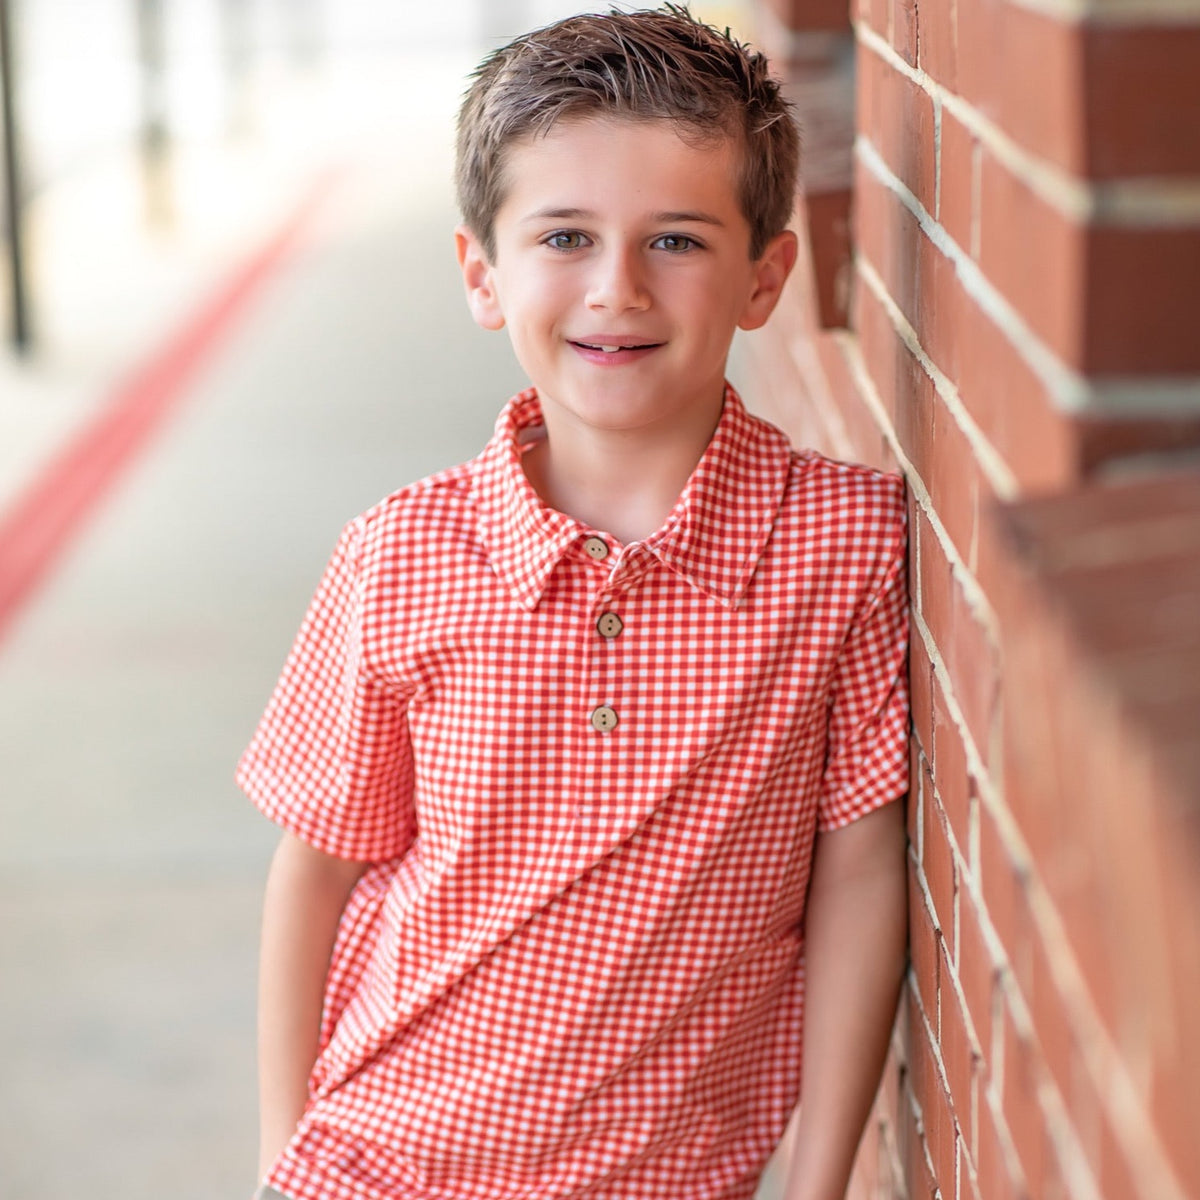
point(675, 243)
point(566, 239)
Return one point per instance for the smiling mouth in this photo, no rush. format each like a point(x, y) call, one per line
point(614, 349)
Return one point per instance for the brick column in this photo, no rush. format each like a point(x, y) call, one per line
point(1022, 340)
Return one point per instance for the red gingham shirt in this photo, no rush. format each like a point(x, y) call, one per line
point(590, 776)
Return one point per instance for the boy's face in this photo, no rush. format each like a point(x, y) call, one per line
point(617, 233)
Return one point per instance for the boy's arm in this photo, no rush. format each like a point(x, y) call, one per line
point(855, 936)
point(306, 894)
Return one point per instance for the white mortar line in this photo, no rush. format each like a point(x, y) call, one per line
point(1134, 203)
point(999, 473)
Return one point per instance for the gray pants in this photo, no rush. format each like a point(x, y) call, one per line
point(268, 1193)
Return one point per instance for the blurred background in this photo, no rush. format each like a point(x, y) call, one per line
point(231, 320)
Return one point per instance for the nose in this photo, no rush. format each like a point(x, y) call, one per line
point(618, 283)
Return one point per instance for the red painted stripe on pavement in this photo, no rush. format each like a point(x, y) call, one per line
point(37, 528)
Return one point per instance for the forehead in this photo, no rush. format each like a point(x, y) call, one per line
point(621, 162)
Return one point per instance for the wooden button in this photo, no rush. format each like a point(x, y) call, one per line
point(610, 625)
point(596, 548)
point(604, 719)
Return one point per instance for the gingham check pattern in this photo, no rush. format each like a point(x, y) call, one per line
point(576, 968)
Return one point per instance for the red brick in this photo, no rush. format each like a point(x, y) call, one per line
point(874, 14)
point(999, 1175)
point(950, 771)
point(904, 30)
point(971, 659)
point(936, 1118)
point(1022, 1112)
point(956, 202)
point(920, 1183)
point(1039, 105)
point(1142, 296)
point(938, 50)
point(952, 787)
point(1137, 81)
point(1117, 1177)
point(940, 301)
point(811, 14)
point(896, 115)
point(1105, 299)
point(957, 484)
point(888, 237)
point(923, 952)
point(967, 648)
point(973, 663)
point(937, 860)
point(1035, 256)
point(936, 582)
point(1052, 1020)
point(1012, 407)
point(867, 443)
point(828, 227)
point(920, 673)
point(1108, 439)
point(915, 411)
point(1001, 885)
point(968, 1184)
point(977, 971)
point(1085, 1109)
point(962, 1062)
point(904, 388)
point(1087, 96)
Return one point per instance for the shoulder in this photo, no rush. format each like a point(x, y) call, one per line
point(421, 517)
point(846, 499)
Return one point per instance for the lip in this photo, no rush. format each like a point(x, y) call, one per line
point(629, 348)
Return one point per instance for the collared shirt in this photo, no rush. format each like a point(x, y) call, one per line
point(590, 776)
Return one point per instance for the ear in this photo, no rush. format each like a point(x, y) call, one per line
point(482, 299)
point(770, 274)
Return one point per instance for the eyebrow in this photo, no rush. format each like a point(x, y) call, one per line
point(660, 218)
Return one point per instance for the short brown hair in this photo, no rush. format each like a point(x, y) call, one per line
point(648, 65)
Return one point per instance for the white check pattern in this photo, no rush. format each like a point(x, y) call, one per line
point(576, 969)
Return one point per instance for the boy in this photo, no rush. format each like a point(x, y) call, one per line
point(585, 749)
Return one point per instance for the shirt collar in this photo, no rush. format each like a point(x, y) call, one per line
point(713, 538)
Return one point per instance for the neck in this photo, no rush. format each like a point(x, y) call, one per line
point(626, 483)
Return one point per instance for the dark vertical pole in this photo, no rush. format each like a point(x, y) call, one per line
point(155, 136)
point(13, 192)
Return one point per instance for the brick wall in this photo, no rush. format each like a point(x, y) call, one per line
point(999, 296)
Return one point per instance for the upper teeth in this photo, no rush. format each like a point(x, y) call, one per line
point(609, 349)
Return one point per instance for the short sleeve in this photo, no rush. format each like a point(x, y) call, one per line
point(867, 760)
point(331, 760)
